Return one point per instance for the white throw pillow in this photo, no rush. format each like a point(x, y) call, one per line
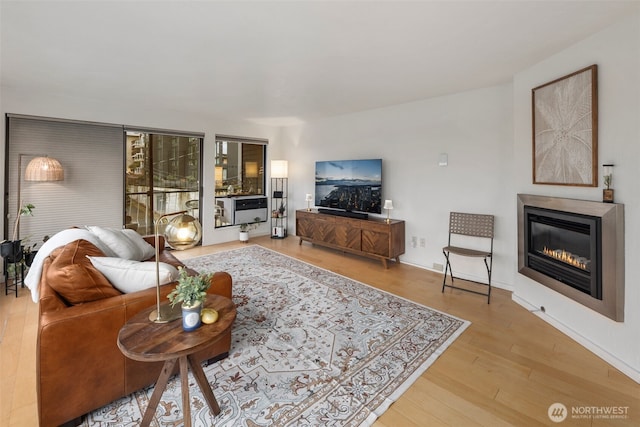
point(122, 243)
point(130, 276)
point(146, 250)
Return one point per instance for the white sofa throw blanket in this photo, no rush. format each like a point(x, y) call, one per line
point(92, 234)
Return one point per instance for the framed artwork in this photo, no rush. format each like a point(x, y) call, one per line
point(565, 130)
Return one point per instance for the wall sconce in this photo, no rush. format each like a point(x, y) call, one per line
point(279, 168)
point(308, 198)
point(607, 175)
point(388, 205)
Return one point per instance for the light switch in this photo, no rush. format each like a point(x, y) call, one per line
point(443, 159)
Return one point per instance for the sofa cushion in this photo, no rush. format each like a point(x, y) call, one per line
point(74, 278)
point(131, 276)
point(125, 243)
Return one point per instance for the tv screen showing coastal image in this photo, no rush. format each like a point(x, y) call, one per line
point(350, 185)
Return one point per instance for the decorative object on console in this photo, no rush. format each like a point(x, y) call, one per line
point(308, 198)
point(182, 232)
point(388, 205)
point(565, 130)
point(191, 291)
point(607, 176)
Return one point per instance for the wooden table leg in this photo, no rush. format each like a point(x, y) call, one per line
point(158, 389)
point(203, 383)
point(184, 380)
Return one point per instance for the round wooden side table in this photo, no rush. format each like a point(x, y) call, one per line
point(143, 340)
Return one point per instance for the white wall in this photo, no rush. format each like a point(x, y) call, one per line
point(38, 103)
point(616, 51)
point(473, 128)
point(487, 135)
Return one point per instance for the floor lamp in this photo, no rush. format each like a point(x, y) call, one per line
point(40, 169)
point(182, 232)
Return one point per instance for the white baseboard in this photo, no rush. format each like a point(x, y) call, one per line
point(494, 283)
point(629, 371)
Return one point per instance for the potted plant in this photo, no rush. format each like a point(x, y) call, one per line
point(246, 227)
point(191, 291)
point(12, 249)
point(25, 210)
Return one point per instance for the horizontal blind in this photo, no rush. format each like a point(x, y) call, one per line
point(92, 190)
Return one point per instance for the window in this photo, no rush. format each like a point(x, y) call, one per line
point(239, 172)
point(162, 176)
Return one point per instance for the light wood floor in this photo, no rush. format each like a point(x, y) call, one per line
point(507, 368)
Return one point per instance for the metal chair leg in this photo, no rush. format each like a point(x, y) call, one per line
point(489, 276)
point(447, 268)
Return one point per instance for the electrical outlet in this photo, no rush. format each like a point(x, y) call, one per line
point(438, 266)
point(423, 242)
point(414, 241)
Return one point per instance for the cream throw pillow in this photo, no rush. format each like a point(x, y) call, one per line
point(124, 243)
point(131, 276)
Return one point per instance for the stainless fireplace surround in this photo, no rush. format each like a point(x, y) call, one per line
point(612, 220)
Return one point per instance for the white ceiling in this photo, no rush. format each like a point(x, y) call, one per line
point(283, 62)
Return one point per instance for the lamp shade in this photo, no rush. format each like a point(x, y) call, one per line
point(251, 169)
point(279, 168)
point(308, 197)
point(388, 204)
point(183, 232)
point(44, 169)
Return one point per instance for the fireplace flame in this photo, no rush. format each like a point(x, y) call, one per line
point(567, 257)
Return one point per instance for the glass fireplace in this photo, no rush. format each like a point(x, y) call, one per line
point(566, 247)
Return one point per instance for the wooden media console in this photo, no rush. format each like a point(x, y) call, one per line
point(374, 238)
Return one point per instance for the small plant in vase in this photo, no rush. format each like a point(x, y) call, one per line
point(246, 227)
point(191, 291)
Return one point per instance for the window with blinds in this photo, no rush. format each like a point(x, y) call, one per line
point(91, 192)
point(113, 176)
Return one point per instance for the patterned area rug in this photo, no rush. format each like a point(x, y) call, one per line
point(309, 348)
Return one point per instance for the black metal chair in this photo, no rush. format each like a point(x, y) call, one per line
point(471, 225)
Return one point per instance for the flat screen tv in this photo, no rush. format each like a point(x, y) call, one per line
point(349, 185)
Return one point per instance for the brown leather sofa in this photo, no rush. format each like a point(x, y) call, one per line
point(79, 366)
